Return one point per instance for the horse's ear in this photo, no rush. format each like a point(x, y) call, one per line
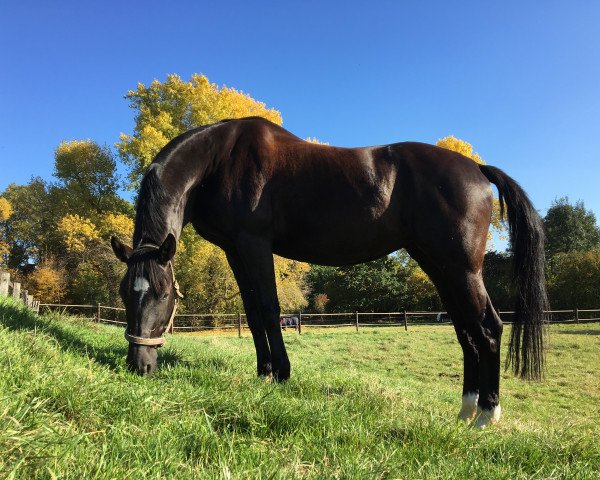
point(166, 252)
point(122, 251)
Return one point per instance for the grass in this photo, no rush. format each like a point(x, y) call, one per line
point(380, 403)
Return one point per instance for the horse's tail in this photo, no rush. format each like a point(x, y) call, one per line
point(526, 348)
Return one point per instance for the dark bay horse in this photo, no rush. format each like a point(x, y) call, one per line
point(254, 189)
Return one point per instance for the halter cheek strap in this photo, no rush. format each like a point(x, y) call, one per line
point(157, 341)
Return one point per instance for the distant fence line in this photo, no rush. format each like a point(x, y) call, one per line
point(196, 322)
point(13, 289)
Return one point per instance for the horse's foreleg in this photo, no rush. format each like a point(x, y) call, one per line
point(257, 259)
point(263, 353)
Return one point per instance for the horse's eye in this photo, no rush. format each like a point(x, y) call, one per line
point(164, 297)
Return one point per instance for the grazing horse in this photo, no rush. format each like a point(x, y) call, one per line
point(254, 189)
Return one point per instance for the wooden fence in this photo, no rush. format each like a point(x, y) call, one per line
point(13, 289)
point(196, 322)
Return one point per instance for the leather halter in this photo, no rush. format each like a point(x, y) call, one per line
point(157, 341)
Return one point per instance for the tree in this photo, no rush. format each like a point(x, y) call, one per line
point(48, 281)
point(87, 182)
point(575, 279)
point(498, 278)
point(30, 229)
point(167, 109)
point(366, 287)
point(5, 213)
point(570, 228)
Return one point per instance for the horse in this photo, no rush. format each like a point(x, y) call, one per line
point(254, 189)
point(289, 322)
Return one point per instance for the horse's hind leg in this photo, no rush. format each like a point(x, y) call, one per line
point(478, 329)
point(263, 353)
point(256, 261)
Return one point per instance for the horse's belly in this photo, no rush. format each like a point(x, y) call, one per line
point(338, 246)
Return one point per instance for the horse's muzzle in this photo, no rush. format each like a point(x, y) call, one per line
point(142, 359)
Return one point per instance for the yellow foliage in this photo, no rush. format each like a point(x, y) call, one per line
point(456, 145)
point(4, 249)
point(77, 232)
point(115, 224)
point(47, 282)
point(5, 209)
point(74, 148)
point(315, 140)
point(167, 109)
point(290, 280)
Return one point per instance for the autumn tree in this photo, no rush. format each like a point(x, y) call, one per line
point(48, 281)
point(5, 213)
point(166, 109)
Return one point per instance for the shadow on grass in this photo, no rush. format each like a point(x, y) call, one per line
point(15, 317)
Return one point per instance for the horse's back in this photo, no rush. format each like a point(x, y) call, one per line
point(338, 205)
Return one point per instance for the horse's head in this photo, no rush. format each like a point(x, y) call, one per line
point(150, 294)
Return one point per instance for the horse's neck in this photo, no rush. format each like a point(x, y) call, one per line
point(160, 212)
point(167, 186)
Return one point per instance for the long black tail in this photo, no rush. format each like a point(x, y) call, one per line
point(527, 342)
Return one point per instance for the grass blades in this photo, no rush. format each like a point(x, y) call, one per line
point(380, 403)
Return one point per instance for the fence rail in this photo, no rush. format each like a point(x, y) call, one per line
point(13, 289)
point(197, 322)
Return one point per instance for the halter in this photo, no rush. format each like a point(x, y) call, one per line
point(157, 341)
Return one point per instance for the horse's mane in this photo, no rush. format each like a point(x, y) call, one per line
point(148, 217)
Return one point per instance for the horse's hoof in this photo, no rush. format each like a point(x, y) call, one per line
point(469, 407)
point(264, 370)
point(487, 417)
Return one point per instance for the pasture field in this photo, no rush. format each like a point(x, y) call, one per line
point(380, 403)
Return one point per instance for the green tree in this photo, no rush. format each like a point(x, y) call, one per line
point(575, 280)
point(86, 180)
point(366, 287)
point(497, 275)
point(570, 228)
point(30, 229)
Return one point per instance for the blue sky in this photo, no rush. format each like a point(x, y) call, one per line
point(518, 80)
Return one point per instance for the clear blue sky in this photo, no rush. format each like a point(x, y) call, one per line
point(518, 80)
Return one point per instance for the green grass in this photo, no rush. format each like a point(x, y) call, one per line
point(380, 403)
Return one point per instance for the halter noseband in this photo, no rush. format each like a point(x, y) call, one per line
point(157, 341)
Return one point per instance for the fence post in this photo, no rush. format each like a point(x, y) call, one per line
point(356, 321)
point(239, 325)
point(405, 324)
point(24, 296)
point(299, 323)
point(576, 315)
point(98, 314)
point(16, 290)
point(4, 282)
